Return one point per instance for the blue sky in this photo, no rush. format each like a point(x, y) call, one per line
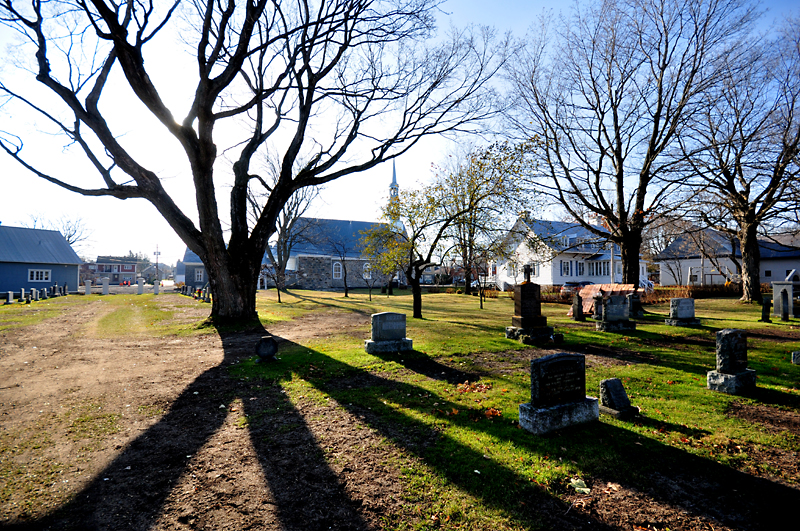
point(120, 226)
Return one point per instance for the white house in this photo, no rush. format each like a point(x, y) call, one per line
point(707, 257)
point(558, 252)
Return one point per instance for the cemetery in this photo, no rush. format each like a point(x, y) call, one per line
point(137, 405)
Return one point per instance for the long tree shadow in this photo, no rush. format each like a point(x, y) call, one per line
point(131, 492)
point(695, 484)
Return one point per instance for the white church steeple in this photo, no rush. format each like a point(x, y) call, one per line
point(394, 189)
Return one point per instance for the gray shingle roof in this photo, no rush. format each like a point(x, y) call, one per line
point(35, 246)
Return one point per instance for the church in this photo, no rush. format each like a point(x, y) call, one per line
point(328, 253)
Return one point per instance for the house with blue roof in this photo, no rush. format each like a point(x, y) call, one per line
point(710, 257)
point(319, 260)
point(558, 252)
point(36, 259)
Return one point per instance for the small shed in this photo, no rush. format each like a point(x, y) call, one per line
point(36, 259)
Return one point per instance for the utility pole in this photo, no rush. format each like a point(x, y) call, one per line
point(157, 254)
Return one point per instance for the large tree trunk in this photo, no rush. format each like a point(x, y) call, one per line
point(630, 248)
point(233, 290)
point(751, 258)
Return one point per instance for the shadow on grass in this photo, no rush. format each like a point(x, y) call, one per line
point(670, 476)
point(421, 363)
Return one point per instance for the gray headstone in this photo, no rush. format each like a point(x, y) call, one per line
point(140, 282)
point(388, 326)
point(635, 308)
point(766, 306)
point(21, 294)
point(615, 308)
point(731, 351)
point(10, 299)
point(155, 287)
point(87, 287)
point(528, 306)
point(35, 294)
point(266, 349)
point(681, 308)
point(577, 308)
point(558, 379)
point(597, 308)
point(613, 395)
point(778, 288)
point(796, 357)
point(106, 280)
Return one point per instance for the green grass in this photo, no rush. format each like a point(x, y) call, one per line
point(474, 462)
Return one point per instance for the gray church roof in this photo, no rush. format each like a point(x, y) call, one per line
point(35, 246)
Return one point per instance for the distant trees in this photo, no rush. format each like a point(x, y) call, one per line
point(73, 229)
point(342, 85)
point(610, 92)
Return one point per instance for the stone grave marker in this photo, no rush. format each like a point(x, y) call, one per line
point(558, 395)
point(766, 306)
point(635, 308)
point(615, 315)
point(28, 298)
point(156, 285)
point(388, 333)
point(577, 308)
point(614, 400)
point(10, 299)
point(528, 324)
point(207, 296)
point(22, 295)
point(105, 285)
point(597, 307)
point(731, 375)
point(35, 294)
point(266, 349)
point(87, 287)
point(140, 283)
point(681, 313)
point(44, 294)
point(796, 357)
point(65, 292)
point(782, 297)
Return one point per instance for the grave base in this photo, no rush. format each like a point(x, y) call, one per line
point(615, 326)
point(397, 345)
point(733, 384)
point(693, 321)
point(530, 336)
point(544, 420)
point(620, 414)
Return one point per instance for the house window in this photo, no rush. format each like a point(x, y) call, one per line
point(198, 275)
point(565, 268)
point(337, 270)
point(366, 271)
point(535, 269)
point(494, 269)
point(605, 268)
point(768, 273)
point(512, 271)
point(580, 268)
point(38, 275)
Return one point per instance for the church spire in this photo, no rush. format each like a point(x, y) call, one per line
point(394, 189)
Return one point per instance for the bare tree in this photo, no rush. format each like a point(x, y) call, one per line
point(344, 85)
point(744, 147)
point(608, 95)
point(290, 229)
point(73, 229)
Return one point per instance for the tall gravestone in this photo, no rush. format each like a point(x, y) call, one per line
point(615, 315)
point(782, 297)
point(10, 299)
point(635, 308)
point(681, 313)
point(22, 295)
point(597, 307)
point(766, 306)
point(731, 375)
point(140, 284)
point(105, 285)
point(577, 308)
point(87, 287)
point(388, 334)
point(558, 395)
point(528, 324)
point(35, 294)
point(796, 357)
